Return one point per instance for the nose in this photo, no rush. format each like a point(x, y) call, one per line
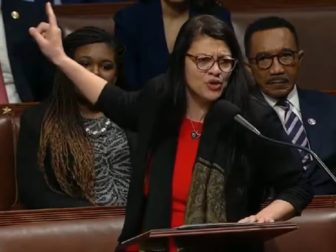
point(94, 69)
point(215, 70)
point(276, 67)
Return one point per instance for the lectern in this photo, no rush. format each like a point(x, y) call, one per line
point(212, 237)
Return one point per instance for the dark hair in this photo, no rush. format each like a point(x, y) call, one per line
point(90, 35)
point(238, 84)
point(63, 141)
point(237, 90)
point(267, 23)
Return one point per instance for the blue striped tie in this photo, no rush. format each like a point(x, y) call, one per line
point(295, 130)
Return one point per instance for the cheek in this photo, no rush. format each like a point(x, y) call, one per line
point(226, 77)
point(292, 74)
point(193, 76)
point(189, 75)
point(260, 76)
point(109, 75)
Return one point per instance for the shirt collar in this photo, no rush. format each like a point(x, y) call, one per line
point(292, 97)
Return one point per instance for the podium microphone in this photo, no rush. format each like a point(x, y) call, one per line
point(229, 109)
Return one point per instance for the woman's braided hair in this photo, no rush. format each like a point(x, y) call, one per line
point(63, 141)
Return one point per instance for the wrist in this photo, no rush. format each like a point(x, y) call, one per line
point(60, 60)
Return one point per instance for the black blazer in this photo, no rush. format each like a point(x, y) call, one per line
point(259, 165)
point(33, 189)
point(32, 72)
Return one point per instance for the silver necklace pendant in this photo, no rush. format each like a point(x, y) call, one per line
point(195, 134)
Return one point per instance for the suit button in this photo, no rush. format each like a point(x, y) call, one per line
point(15, 15)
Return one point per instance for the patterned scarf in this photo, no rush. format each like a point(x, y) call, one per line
point(206, 202)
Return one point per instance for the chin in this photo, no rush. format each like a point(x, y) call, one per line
point(212, 98)
point(280, 91)
point(278, 94)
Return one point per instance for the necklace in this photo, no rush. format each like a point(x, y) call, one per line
point(195, 134)
point(99, 127)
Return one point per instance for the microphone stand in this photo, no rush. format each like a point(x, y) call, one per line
point(247, 125)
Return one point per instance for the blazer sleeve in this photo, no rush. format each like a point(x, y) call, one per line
point(33, 189)
point(126, 108)
point(280, 166)
point(121, 106)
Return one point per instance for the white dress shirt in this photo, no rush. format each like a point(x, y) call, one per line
point(294, 102)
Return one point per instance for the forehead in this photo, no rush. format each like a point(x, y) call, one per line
point(95, 49)
point(208, 45)
point(272, 41)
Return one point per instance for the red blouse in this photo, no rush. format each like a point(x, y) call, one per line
point(185, 157)
point(183, 168)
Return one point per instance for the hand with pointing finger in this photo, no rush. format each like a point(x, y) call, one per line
point(48, 36)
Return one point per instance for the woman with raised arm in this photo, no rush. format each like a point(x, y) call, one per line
point(69, 153)
point(192, 164)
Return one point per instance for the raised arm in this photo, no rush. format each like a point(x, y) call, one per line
point(48, 37)
point(117, 104)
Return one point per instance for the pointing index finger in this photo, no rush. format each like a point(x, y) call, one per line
point(51, 15)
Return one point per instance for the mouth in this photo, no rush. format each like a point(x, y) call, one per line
point(278, 81)
point(215, 85)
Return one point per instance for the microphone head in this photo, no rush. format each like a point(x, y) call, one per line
point(226, 108)
point(224, 111)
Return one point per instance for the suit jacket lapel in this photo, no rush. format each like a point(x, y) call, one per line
point(310, 112)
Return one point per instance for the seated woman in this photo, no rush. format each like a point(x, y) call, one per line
point(193, 163)
point(69, 154)
point(148, 30)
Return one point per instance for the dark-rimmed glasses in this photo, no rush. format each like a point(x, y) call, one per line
point(265, 61)
point(205, 62)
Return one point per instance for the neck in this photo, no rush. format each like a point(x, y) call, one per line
point(89, 112)
point(196, 110)
point(173, 10)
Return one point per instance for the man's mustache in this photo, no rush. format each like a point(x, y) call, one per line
point(278, 79)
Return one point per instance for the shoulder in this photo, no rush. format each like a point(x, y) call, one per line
point(156, 86)
point(257, 107)
point(317, 97)
point(36, 7)
point(32, 117)
point(262, 116)
point(155, 93)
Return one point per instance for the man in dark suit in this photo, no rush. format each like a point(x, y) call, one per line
point(308, 117)
point(27, 71)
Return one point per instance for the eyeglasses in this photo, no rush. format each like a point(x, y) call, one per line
point(285, 58)
point(205, 62)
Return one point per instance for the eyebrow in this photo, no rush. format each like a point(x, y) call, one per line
point(211, 55)
point(282, 50)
